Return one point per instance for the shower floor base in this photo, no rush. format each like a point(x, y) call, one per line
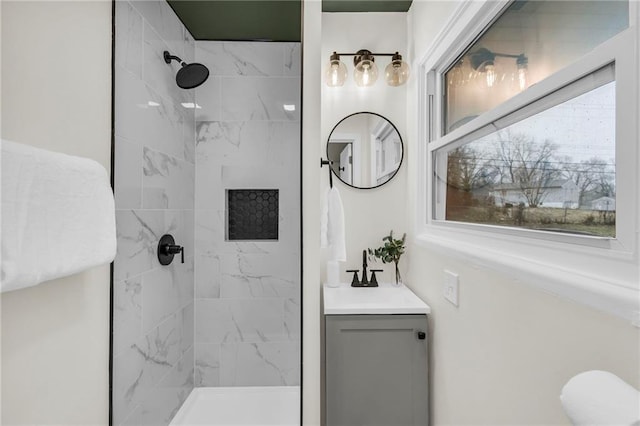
point(247, 406)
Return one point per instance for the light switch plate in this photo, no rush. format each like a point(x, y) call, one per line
point(450, 287)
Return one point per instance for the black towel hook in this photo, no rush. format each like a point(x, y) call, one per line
point(327, 163)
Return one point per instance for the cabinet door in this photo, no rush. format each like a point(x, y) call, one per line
point(376, 370)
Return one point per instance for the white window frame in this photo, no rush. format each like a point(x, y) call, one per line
point(599, 272)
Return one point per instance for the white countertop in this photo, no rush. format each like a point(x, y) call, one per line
point(385, 299)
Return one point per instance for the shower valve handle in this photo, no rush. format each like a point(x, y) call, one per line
point(167, 248)
point(174, 249)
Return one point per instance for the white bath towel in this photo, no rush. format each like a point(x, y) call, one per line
point(58, 216)
point(600, 398)
point(332, 226)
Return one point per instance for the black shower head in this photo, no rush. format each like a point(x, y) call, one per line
point(190, 75)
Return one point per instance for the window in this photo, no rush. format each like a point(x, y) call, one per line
point(551, 170)
point(528, 42)
point(530, 159)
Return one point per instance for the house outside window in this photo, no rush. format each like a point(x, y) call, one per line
point(530, 147)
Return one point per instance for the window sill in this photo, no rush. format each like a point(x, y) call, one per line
point(569, 272)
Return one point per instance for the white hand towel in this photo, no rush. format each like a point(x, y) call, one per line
point(600, 398)
point(332, 226)
point(58, 216)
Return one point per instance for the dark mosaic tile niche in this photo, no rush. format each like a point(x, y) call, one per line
point(252, 214)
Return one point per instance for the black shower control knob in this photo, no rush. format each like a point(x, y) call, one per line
point(167, 248)
point(171, 249)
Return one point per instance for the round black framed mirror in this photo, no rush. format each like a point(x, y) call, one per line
point(365, 150)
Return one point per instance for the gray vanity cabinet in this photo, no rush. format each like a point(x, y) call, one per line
point(376, 370)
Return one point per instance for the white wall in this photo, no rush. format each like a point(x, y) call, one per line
point(56, 94)
point(311, 137)
point(369, 214)
point(506, 351)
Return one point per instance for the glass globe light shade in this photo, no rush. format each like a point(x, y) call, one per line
point(397, 72)
point(523, 74)
point(456, 76)
point(522, 78)
point(490, 72)
point(366, 72)
point(335, 73)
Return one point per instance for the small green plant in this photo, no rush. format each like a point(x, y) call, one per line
point(391, 251)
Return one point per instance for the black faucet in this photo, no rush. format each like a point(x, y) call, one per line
point(355, 282)
point(365, 280)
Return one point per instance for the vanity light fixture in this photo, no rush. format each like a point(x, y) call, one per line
point(366, 72)
point(483, 61)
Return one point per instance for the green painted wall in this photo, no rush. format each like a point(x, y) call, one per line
point(268, 20)
point(277, 20)
point(366, 5)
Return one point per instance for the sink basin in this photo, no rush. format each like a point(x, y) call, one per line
point(385, 299)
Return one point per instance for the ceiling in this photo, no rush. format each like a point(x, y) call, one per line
point(272, 20)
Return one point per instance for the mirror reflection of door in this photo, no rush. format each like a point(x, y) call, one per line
point(345, 164)
point(340, 150)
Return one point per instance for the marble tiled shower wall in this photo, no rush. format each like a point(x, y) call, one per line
point(153, 351)
point(247, 309)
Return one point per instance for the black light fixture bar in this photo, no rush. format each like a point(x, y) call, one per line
point(483, 55)
point(483, 60)
point(363, 51)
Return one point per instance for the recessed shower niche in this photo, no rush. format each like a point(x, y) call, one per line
point(192, 163)
point(252, 214)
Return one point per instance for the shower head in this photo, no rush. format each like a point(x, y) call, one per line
point(189, 76)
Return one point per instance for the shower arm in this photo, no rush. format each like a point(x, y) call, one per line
point(168, 57)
